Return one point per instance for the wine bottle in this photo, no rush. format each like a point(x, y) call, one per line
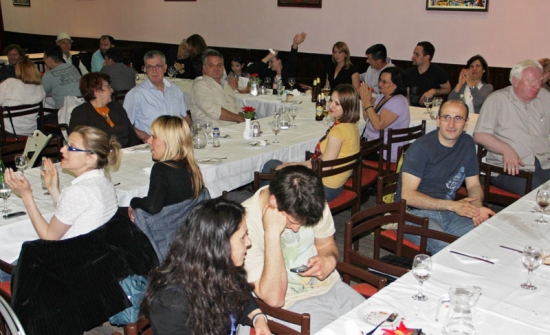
point(319, 109)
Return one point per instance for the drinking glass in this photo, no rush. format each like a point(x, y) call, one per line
point(208, 132)
point(293, 113)
point(21, 162)
point(421, 269)
point(276, 127)
point(531, 259)
point(5, 192)
point(172, 72)
point(543, 196)
point(428, 103)
point(291, 82)
point(280, 92)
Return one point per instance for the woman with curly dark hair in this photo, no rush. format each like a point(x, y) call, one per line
point(201, 286)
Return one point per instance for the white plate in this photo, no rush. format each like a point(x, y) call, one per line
point(256, 144)
point(209, 161)
point(373, 315)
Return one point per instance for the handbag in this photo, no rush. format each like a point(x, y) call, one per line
point(134, 286)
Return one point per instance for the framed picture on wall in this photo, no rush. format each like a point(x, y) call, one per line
point(21, 2)
point(462, 5)
point(299, 3)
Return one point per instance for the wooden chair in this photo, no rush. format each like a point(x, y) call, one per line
point(258, 177)
point(119, 95)
point(397, 136)
point(493, 194)
point(141, 327)
point(34, 144)
point(369, 173)
point(11, 112)
point(303, 320)
point(350, 196)
point(364, 282)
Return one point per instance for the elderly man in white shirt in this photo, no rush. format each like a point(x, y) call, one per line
point(64, 41)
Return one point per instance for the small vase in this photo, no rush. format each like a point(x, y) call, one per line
point(254, 90)
point(247, 133)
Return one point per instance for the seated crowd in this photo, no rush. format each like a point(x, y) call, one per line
point(203, 284)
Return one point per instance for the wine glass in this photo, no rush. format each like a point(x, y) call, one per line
point(291, 82)
point(421, 269)
point(208, 132)
point(543, 196)
point(276, 127)
point(428, 103)
point(172, 72)
point(293, 113)
point(326, 91)
point(21, 162)
point(531, 259)
point(5, 192)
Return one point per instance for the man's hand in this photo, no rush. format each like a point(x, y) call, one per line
point(233, 82)
point(298, 39)
point(320, 267)
point(484, 214)
point(464, 207)
point(274, 222)
point(428, 94)
point(511, 161)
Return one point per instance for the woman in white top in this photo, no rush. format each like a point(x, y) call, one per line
point(26, 88)
point(90, 201)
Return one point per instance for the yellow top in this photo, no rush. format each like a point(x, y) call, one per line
point(348, 133)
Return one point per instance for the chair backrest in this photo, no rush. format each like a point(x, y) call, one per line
point(9, 319)
point(402, 135)
point(11, 112)
point(303, 320)
point(386, 187)
point(5, 287)
point(35, 144)
point(499, 196)
point(259, 176)
point(421, 228)
point(371, 147)
point(369, 221)
point(119, 95)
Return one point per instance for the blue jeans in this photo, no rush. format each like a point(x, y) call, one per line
point(517, 185)
point(444, 221)
point(330, 193)
point(6, 276)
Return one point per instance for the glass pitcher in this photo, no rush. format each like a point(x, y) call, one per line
point(460, 316)
point(284, 117)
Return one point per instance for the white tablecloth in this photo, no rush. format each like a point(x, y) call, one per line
point(504, 307)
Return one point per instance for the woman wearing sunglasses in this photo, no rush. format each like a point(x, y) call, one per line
point(90, 201)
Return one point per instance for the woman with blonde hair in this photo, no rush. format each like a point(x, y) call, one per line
point(341, 70)
point(26, 88)
point(175, 177)
point(90, 201)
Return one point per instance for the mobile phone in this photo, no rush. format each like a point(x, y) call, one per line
point(299, 269)
point(13, 215)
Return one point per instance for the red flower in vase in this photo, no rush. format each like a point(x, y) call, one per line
point(401, 330)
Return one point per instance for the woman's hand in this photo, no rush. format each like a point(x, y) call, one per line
point(131, 213)
point(462, 78)
point(18, 183)
point(179, 67)
point(51, 177)
point(366, 94)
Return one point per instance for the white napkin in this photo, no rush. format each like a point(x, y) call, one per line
point(243, 82)
point(465, 259)
point(295, 92)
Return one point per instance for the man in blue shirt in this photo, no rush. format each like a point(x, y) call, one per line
point(154, 97)
point(434, 168)
point(106, 42)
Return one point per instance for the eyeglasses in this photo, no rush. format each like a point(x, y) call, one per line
point(107, 86)
point(78, 150)
point(384, 82)
point(153, 67)
point(448, 118)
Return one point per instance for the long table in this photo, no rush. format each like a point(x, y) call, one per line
point(504, 307)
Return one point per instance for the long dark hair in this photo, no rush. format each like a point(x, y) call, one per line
point(199, 262)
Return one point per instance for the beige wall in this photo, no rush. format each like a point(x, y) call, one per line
point(512, 30)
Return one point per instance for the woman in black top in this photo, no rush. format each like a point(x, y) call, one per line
point(100, 112)
point(176, 176)
point(201, 286)
point(341, 70)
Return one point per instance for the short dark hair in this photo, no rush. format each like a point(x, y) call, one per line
point(427, 49)
point(398, 78)
point(210, 52)
point(350, 102)
point(55, 53)
point(115, 54)
point(91, 82)
point(377, 51)
point(484, 65)
point(454, 101)
point(238, 59)
point(109, 37)
point(17, 47)
point(299, 193)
